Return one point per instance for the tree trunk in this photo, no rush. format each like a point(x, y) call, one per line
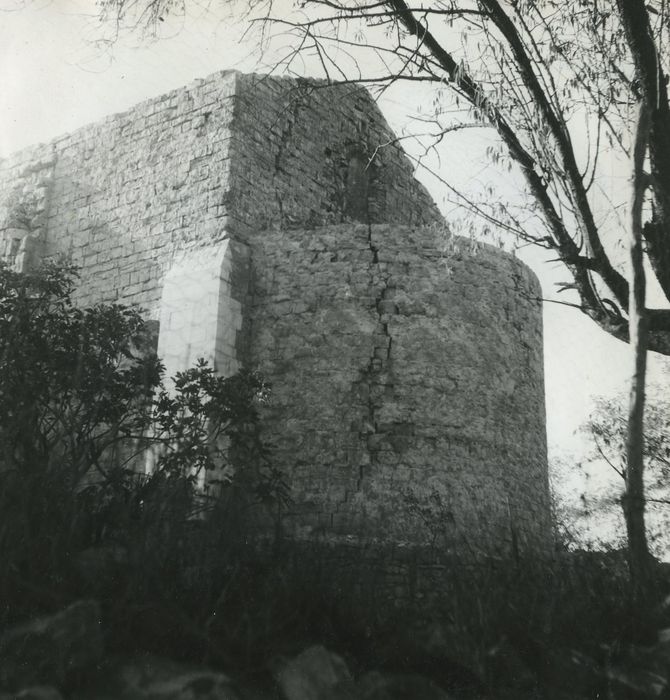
point(633, 502)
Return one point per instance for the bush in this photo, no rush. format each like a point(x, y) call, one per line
point(82, 404)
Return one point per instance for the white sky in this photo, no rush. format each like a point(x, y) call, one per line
point(55, 75)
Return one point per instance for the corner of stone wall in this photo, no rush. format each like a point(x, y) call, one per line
point(202, 308)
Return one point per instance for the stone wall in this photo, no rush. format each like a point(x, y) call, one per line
point(223, 157)
point(406, 364)
point(408, 387)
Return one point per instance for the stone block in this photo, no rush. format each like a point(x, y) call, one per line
point(315, 674)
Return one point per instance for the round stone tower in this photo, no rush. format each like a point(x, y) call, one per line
point(407, 374)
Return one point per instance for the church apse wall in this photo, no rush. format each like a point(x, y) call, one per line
point(276, 223)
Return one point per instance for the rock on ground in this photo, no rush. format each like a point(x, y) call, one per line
point(315, 674)
point(149, 677)
point(318, 674)
point(38, 692)
point(44, 650)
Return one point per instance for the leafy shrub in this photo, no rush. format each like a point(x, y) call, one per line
point(82, 404)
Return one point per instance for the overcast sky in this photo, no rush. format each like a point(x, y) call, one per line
point(57, 74)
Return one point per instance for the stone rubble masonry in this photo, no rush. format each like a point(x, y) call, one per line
point(225, 156)
point(276, 223)
point(408, 387)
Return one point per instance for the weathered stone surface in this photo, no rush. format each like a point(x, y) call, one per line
point(315, 674)
point(319, 674)
point(201, 315)
point(39, 692)
point(408, 387)
point(45, 650)
point(640, 672)
point(150, 677)
point(223, 157)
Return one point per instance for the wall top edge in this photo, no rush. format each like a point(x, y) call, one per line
point(241, 81)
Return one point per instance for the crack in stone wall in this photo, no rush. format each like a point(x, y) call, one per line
point(416, 407)
point(376, 376)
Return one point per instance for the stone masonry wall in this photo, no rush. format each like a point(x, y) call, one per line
point(313, 154)
point(406, 365)
point(225, 156)
point(408, 387)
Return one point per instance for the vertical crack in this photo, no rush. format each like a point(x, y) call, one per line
point(375, 375)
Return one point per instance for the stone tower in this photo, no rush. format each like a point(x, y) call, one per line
point(276, 223)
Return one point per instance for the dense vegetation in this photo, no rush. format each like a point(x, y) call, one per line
point(83, 407)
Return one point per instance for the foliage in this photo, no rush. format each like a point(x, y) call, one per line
point(587, 491)
point(73, 384)
point(607, 428)
point(81, 400)
point(208, 423)
point(586, 514)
